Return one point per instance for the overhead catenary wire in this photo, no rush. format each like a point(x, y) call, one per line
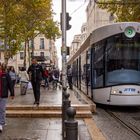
point(78, 7)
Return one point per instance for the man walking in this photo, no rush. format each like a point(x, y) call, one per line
point(35, 72)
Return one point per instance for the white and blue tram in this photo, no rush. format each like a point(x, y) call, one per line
point(107, 65)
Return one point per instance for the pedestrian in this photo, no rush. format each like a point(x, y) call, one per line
point(60, 81)
point(24, 80)
point(5, 85)
point(46, 76)
point(56, 73)
point(69, 76)
point(35, 72)
point(13, 76)
point(23, 75)
point(50, 75)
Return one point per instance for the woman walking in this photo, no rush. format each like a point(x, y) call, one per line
point(13, 76)
point(5, 85)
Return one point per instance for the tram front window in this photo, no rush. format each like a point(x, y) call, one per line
point(123, 54)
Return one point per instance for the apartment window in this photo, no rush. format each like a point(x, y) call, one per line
point(21, 55)
point(41, 53)
point(42, 43)
point(32, 43)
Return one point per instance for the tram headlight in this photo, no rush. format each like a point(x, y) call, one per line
point(129, 32)
point(114, 92)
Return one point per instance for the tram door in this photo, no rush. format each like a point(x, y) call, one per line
point(75, 73)
point(92, 77)
point(88, 73)
point(79, 73)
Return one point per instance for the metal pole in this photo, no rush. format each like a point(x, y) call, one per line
point(63, 52)
point(63, 49)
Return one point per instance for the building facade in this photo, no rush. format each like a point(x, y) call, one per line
point(96, 17)
point(41, 48)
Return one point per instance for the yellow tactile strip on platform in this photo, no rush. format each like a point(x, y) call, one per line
point(94, 131)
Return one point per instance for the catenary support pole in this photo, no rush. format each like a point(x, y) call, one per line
point(64, 61)
point(63, 48)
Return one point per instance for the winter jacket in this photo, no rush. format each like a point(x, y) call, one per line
point(36, 72)
point(46, 73)
point(5, 85)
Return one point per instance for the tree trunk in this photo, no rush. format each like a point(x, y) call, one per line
point(25, 48)
point(32, 46)
point(5, 51)
point(29, 55)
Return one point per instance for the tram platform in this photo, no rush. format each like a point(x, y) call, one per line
point(26, 121)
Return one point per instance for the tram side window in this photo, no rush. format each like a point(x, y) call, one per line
point(88, 78)
point(98, 64)
point(74, 73)
point(86, 73)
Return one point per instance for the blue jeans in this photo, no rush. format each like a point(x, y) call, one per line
point(3, 102)
point(46, 81)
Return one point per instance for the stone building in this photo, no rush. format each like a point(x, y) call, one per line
point(43, 49)
point(96, 18)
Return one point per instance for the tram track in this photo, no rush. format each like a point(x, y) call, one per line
point(125, 123)
point(118, 123)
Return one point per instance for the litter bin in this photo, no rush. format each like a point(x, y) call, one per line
point(23, 87)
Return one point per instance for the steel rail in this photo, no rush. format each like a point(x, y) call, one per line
point(133, 129)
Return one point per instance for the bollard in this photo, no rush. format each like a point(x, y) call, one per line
point(65, 106)
point(63, 93)
point(71, 126)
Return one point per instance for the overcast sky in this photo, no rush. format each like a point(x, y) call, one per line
point(76, 9)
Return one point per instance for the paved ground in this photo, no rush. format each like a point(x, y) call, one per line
point(48, 97)
point(39, 128)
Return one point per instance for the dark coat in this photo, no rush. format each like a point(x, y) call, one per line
point(5, 85)
point(36, 72)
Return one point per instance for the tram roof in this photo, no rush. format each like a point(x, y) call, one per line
point(104, 32)
point(112, 29)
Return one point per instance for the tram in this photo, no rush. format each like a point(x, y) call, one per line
point(107, 65)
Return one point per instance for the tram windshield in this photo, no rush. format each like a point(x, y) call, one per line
point(123, 53)
point(117, 61)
